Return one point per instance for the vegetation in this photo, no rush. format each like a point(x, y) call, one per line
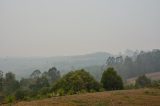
point(139, 64)
point(143, 81)
point(75, 82)
point(37, 86)
point(110, 80)
point(48, 84)
point(138, 97)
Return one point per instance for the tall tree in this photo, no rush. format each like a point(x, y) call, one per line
point(36, 74)
point(1, 80)
point(76, 81)
point(52, 75)
point(110, 80)
point(11, 84)
point(143, 81)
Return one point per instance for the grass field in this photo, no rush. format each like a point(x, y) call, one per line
point(139, 97)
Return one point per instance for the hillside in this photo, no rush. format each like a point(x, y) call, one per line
point(140, 97)
point(22, 67)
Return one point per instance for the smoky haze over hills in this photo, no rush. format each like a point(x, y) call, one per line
point(38, 28)
point(25, 66)
point(132, 63)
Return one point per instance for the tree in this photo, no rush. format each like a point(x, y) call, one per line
point(76, 81)
point(25, 82)
point(9, 76)
point(20, 94)
point(143, 81)
point(52, 75)
point(39, 83)
point(110, 80)
point(1, 80)
point(11, 84)
point(36, 74)
point(110, 61)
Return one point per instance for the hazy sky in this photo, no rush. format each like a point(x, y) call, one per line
point(70, 27)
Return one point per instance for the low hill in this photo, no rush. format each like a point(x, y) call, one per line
point(23, 67)
point(139, 97)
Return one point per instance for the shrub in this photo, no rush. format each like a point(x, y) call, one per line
point(20, 94)
point(155, 84)
point(60, 92)
point(44, 91)
point(75, 81)
point(110, 80)
point(129, 86)
point(10, 99)
point(143, 81)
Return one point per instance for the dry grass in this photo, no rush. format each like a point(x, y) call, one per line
point(140, 97)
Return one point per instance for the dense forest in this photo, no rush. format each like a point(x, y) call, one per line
point(50, 83)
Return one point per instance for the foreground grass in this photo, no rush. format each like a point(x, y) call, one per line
point(139, 97)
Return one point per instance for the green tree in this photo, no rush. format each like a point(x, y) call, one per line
point(52, 75)
point(11, 84)
point(1, 80)
point(76, 81)
point(10, 99)
point(36, 74)
point(39, 83)
point(20, 94)
point(110, 80)
point(44, 91)
point(143, 81)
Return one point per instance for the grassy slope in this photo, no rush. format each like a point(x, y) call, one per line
point(140, 97)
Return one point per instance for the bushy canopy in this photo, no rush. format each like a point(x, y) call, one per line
point(143, 81)
point(76, 81)
point(110, 80)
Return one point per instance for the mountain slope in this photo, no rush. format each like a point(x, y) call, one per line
point(25, 66)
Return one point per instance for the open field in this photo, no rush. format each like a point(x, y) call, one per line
point(139, 97)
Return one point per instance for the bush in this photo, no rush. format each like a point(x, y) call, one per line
point(110, 80)
point(130, 86)
point(20, 94)
point(60, 92)
point(83, 91)
point(75, 81)
point(70, 92)
point(44, 91)
point(155, 84)
point(10, 99)
point(143, 81)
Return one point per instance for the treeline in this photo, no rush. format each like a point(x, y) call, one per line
point(142, 82)
point(50, 83)
point(37, 85)
point(142, 63)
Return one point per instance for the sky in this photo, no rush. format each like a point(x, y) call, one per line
point(71, 27)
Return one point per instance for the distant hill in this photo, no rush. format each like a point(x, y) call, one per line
point(96, 71)
point(129, 65)
point(23, 67)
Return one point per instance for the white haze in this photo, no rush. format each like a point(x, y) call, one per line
point(71, 27)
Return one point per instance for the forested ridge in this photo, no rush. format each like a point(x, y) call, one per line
point(112, 76)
